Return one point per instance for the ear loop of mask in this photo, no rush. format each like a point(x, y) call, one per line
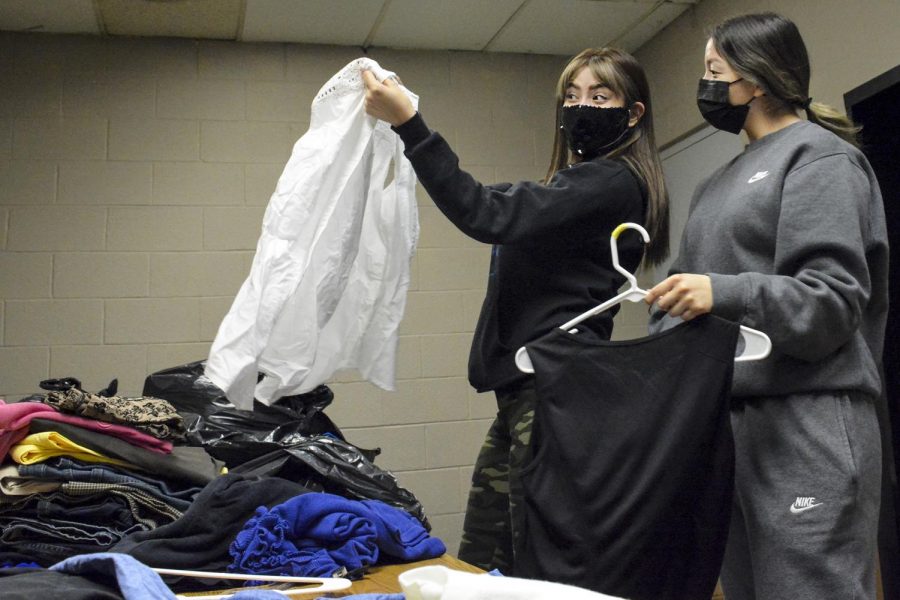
point(752, 98)
point(625, 131)
point(621, 135)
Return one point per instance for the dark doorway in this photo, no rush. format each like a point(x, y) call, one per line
point(874, 105)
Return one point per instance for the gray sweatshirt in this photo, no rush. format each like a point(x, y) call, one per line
point(792, 234)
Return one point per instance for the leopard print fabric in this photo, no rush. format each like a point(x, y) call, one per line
point(154, 416)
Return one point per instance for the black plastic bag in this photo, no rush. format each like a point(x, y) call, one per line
point(292, 439)
point(235, 436)
point(330, 465)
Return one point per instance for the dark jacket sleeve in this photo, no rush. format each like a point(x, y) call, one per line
point(588, 194)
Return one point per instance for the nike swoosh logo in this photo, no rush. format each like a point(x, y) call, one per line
point(758, 176)
point(796, 510)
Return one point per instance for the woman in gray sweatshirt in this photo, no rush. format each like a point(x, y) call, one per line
point(789, 237)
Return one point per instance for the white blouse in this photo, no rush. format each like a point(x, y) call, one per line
point(328, 284)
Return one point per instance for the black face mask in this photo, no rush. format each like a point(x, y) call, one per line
point(591, 130)
point(712, 100)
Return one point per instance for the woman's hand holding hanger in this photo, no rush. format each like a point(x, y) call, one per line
point(386, 101)
point(685, 295)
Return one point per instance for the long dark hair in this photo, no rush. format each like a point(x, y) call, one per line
point(767, 50)
point(622, 74)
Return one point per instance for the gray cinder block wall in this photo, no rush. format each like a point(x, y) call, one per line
point(134, 174)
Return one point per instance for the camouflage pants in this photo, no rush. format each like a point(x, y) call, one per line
point(495, 499)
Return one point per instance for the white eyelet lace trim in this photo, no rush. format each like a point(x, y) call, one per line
point(349, 79)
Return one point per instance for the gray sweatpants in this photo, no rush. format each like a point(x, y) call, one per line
point(807, 496)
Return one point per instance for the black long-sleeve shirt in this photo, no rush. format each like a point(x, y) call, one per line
point(551, 258)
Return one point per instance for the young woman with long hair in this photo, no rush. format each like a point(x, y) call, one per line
point(789, 237)
point(551, 259)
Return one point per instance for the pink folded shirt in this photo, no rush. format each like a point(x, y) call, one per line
point(15, 417)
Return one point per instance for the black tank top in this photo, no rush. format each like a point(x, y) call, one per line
point(629, 489)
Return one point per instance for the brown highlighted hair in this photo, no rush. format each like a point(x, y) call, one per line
point(767, 50)
point(621, 73)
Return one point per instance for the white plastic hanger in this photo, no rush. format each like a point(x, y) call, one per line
point(326, 584)
point(757, 344)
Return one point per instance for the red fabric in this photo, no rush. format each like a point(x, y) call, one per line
point(15, 417)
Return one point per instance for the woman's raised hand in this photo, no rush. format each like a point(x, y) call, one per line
point(386, 101)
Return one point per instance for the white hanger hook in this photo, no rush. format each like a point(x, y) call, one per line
point(614, 248)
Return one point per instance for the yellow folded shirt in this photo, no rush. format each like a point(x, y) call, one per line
point(38, 447)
